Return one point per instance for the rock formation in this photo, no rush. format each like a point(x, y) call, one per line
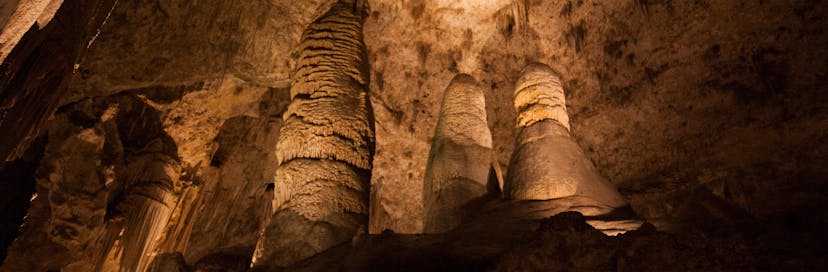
point(457, 173)
point(711, 128)
point(36, 73)
point(149, 205)
point(109, 190)
point(326, 145)
point(70, 205)
point(547, 164)
point(17, 17)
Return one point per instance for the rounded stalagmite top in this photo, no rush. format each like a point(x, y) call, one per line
point(463, 113)
point(539, 96)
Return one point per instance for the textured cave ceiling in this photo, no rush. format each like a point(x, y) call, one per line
point(700, 112)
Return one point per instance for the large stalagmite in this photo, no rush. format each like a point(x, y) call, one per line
point(326, 145)
point(458, 164)
point(547, 163)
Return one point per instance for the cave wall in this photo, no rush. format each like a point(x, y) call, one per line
point(666, 98)
point(701, 113)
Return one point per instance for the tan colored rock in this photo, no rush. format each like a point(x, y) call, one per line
point(17, 17)
point(547, 163)
point(149, 204)
point(325, 146)
point(458, 166)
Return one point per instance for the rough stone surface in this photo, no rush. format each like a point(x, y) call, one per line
point(567, 242)
point(326, 145)
point(708, 116)
point(547, 163)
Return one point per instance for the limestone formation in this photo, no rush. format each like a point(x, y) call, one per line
point(68, 210)
point(17, 17)
point(458, 164)
point(712, 129)
point(41, 43)
point(326, 144)
point(150, 183)
point(150, 202)
point(547, 163)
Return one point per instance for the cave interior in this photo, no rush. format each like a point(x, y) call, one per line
point(413, 135)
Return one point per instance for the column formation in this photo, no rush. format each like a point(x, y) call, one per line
point(458, 164)
point(326, 145)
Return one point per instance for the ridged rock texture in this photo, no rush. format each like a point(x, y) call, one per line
point(457, 173)
point(708, 116)
point(547, 163)
point(326, 145)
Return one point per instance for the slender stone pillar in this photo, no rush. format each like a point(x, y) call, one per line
point(326, 145)
point(547, 163)
point(459, 162)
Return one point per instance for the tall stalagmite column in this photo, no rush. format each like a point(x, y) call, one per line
point(547, 163)
point(458, 164)
point(326, 145)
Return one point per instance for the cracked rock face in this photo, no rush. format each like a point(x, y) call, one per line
point(702, 114)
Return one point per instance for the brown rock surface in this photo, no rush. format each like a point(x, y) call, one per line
point(709, 116)
point(457, 175)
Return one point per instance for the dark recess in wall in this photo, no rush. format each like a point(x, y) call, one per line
point(17, 184)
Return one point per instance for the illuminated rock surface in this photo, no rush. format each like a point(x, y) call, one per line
point(708, 116)
point(326, 145)
point(547, 163)
point(457, 174)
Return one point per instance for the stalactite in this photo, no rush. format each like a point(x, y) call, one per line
point(459, 162)
point(547, 163)
point(178, 236)
point(326, 144)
